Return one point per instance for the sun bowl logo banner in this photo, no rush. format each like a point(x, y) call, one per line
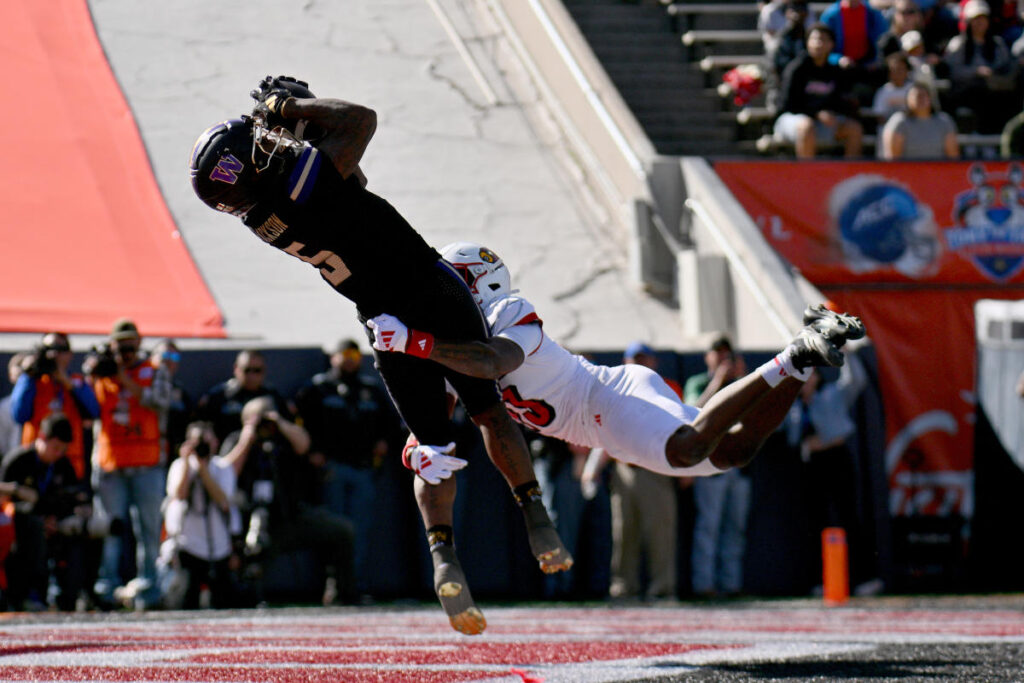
point(909, 247)
point(988, 223)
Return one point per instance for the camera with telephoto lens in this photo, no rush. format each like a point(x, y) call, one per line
point(201, 450)
point(104, 364)
point(88, 525)
point(43, 361)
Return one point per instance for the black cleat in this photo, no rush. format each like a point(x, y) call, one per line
point(811, 348)
point(453, 592)
point(545, 543)
point(836, 327)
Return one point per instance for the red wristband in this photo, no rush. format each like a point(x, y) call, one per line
point(410, 444)
point(419, 344)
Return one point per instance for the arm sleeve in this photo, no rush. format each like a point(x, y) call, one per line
point(22, 398)
point(85, 397)
point(528, 337)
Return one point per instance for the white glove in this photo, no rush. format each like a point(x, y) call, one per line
point(389, 333)
point(434, 463)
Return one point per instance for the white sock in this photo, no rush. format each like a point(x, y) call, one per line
point(781, 367)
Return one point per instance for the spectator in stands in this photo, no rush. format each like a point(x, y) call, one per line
point(920, 132)
point(778, 17)
point(52, 514)
point(132, 392)
point(815, 102)
point(350, 422)
point(10, 430)
point(174, 421)
point(939, 25)
point(48, 387)
point(982, 72)
point(892, 96)
point(791, 43)
point(1004, 19)
point(198, 516)
point(905, 17)
point(644, 516)
point(922, 64)
point(275, 478)
point(856, 29)
point(222, 405)
point(722, 501)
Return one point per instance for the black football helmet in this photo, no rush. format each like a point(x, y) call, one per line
point(223, 172)
point(234, 161)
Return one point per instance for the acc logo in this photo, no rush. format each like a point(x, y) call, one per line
point(878, 223)
point(227, 169)
point(488, 256)
point(988, 222)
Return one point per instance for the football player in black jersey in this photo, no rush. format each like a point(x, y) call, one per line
point(309, 199)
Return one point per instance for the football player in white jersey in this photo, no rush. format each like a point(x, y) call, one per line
point(628, 410)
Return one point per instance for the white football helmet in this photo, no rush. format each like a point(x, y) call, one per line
point(481, 268)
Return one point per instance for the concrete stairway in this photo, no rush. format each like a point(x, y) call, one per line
point(639, 46)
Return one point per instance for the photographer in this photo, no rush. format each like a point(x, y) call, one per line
point(198, 515)
point(45, 387)
point(53, 518)
point(275, 481)
point(132, 393)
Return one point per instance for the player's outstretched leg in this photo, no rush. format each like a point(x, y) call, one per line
point(836, 327)
point(545, 543)
point(453, 592)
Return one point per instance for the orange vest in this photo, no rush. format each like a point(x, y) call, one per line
point(129, 433)
point(51, 397)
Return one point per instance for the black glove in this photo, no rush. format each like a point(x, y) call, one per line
point(271, 94)
point(288, 84)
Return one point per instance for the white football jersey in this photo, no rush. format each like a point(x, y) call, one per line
point(547, 393)
point(628, 410)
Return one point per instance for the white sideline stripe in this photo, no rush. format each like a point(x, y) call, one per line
point(460, 47)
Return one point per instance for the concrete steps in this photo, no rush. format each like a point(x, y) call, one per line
point(640, 47)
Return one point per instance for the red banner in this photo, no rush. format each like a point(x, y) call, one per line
point(909, 247)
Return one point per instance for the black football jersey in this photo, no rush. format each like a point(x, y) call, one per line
point(360, 244)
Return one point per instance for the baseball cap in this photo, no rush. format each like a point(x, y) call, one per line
point(124, 329)
point(975, 8)
point(911, 40)
point(637, 348)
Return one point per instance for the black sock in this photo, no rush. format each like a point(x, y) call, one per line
point(440, 535)
point(526, 493)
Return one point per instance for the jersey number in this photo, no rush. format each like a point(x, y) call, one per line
point(332, 268)
point(529, 412)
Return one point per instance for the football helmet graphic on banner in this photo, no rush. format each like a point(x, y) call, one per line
point(481, 268)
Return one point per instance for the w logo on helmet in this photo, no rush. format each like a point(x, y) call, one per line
point(227, 169)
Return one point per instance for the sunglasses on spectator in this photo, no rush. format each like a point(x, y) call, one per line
point(128, 348)
point(60, 348)
point(253, 370)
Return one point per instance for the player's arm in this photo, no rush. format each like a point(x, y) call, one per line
point(349, 128)
point(488, 359)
